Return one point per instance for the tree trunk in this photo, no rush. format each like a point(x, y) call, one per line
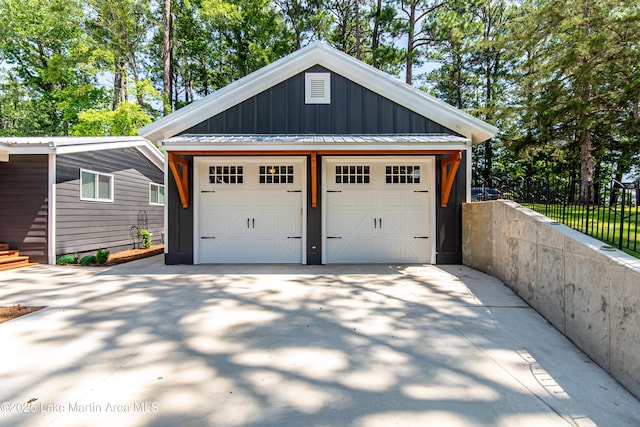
point(488, 146)
point(167, 58)
point(458, 65)
point(410, 42)
point(375, 38)
point(136, 78)
point(586, 155)
point(357, 29)
point(205, 77)
point(119, 83)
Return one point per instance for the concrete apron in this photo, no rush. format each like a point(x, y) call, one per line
point(147, 344)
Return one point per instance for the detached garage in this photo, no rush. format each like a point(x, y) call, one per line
point(317, 158)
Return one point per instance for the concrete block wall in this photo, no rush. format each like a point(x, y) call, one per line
point(588, 290)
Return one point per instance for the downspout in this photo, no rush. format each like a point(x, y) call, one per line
point(468, 161)
point(166, 203)
point(51, 207)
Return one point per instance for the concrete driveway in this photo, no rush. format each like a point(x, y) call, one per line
point(144, 344)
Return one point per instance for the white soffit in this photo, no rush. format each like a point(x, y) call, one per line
point(318, 53)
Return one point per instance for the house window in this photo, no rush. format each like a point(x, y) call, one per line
point(352, 175)
point(403, 174)
point(226, 174)
point(156, 194)
point(96, 186)
point(276, 174)
point(317, 88)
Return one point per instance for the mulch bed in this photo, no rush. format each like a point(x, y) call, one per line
point(8, 313)
point(134, 254)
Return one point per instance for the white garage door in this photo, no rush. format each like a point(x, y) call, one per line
point(249, 210)
point(379, 210)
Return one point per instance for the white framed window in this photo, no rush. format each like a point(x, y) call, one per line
point(156, 194)
point(317, 88)
point(96, 186)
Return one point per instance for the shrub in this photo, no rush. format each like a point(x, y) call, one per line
point(146, 238)
point(102, 256)
point(66, 259)
point(88, 260)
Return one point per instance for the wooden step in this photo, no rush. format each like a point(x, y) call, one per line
point(14, 265)
point(10, 252)
point(13, 259)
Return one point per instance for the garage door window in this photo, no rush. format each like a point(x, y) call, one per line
point(226, 174)
point(353, 175)
point(276, 174)
point(403, 174)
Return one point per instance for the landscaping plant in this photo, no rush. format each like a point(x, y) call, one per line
point(146, 238)
point(88, 260)
point(66, 259)
point(102, 256)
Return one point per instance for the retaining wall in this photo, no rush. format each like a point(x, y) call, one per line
point(586, 289)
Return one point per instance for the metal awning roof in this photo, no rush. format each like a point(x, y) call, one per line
point(312, 142)
point(77, 144)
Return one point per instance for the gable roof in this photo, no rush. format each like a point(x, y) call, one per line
point(77, 144)
point(319, 53)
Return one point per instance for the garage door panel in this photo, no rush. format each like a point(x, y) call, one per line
point(393, 199)
point(356, 250)
point(250, 217)
point(360, 199)
point(417, 200)
point(387, 217)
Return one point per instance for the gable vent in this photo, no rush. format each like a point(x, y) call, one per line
point(317, 88)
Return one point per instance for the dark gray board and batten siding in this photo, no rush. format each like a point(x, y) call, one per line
point(24, 205)
point(354, 110)
point(85, 226)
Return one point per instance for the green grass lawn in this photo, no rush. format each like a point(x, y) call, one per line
point(600, 222)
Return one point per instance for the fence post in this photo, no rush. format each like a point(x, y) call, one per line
point(586, 222)
point(624, 194)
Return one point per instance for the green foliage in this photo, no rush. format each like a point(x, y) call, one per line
point(125, 120)
point(66, 259)
point(88, 260)
point(252, 33)
point(146, 238)
point(578, 80)
point(49, 53)
point(102, 256)
point(553, 75)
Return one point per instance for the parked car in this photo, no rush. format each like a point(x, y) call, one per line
point(477, 194)
point(485, 193)
point(492, 194)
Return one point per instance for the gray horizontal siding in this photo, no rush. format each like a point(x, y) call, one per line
point(353, 110)
point(85, 226)
point(24, 205)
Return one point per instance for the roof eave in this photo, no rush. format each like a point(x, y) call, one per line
point(67, 145)
point(249, 148)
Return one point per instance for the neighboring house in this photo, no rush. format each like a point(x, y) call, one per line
point(316, 158)
point(79, 194)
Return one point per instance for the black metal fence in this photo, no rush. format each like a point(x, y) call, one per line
point(608, 210)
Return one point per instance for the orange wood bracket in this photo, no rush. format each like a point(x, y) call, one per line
point(448, 168)
point(180, 169)
point(314, 181)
